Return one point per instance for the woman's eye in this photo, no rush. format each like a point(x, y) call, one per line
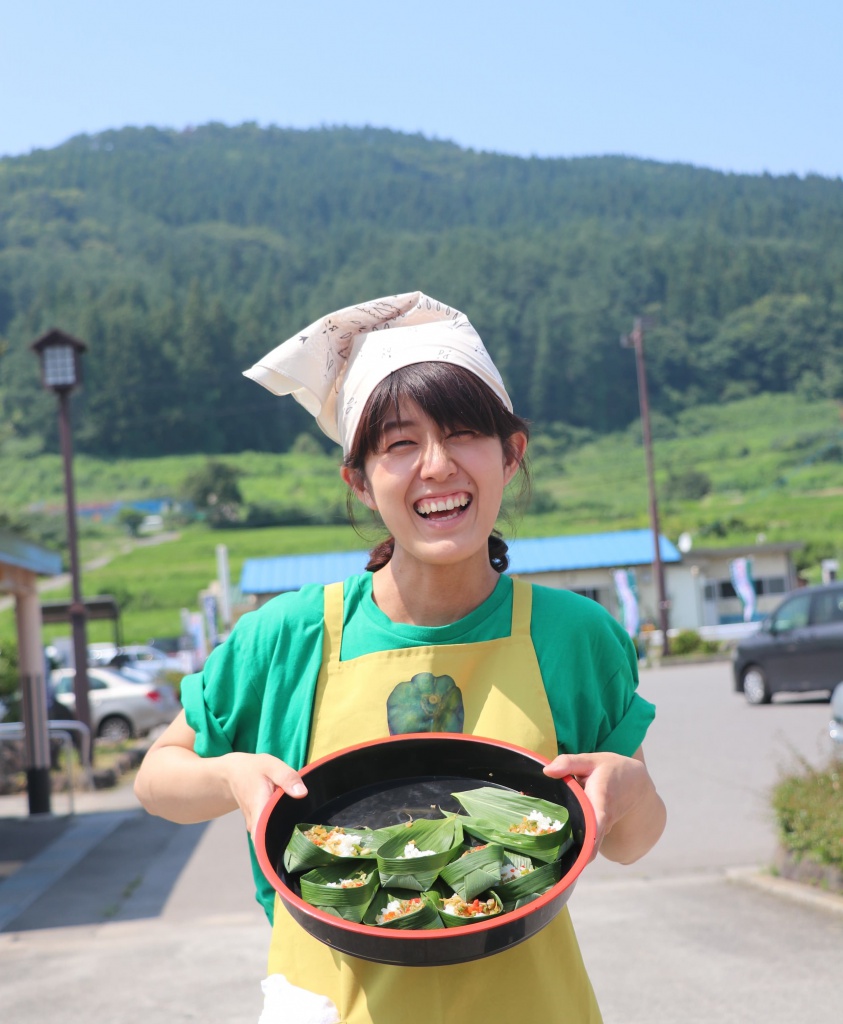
point(394, 446)
point(463, 433)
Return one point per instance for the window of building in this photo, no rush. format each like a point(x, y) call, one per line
point(724, 590)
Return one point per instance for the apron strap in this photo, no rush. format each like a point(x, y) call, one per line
point(332, 639)
point(522, 606)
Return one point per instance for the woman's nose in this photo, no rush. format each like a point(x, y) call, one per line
point(436, 460)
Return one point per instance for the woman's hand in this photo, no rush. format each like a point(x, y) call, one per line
point(174, 782)
point(253, 778)
point(630, 814)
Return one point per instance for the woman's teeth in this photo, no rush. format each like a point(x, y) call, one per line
point(425, 508)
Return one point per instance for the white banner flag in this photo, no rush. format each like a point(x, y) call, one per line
point(741, 572)
point(627, 595)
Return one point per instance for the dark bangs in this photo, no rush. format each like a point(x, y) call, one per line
point(452, 396)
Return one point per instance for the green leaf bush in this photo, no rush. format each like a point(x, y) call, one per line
point(808, 807)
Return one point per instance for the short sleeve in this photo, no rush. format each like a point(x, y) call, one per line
point(628, 734)
point(589, 667)
point(255, 692)
point(221, 704)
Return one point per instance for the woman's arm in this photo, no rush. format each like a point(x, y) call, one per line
point(630, 813)
point(174, 782)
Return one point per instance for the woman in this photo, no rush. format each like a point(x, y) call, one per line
point(430, 442)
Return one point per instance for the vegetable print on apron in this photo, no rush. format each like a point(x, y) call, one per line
point(492, 689)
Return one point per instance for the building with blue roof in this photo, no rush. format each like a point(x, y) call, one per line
point(698, 583)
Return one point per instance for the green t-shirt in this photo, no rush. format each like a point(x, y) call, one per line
point(256, 690)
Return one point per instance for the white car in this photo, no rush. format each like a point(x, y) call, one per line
point(121, 706)
point(835, 726)
point(154, 664)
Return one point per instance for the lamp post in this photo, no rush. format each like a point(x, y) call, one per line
point(635, 340)
point(60, 356)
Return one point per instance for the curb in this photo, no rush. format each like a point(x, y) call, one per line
point(796, 891)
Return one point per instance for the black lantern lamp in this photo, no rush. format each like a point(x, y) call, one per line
point(61, 364)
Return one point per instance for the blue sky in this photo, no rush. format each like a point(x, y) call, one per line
point(746, 85)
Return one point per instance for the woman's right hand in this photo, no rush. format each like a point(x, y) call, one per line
point(253, 778)
point(174, 782)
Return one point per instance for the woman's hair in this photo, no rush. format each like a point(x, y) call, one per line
point(453, 397)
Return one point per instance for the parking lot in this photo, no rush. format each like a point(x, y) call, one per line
point(157, 920)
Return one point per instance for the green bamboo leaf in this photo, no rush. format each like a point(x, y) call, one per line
point(476, 869)
point(530, 885)
point(493, 813)
point(424, 916)
point(454, 921)
point(322, 888)
point(443, 836)
point(302, 853)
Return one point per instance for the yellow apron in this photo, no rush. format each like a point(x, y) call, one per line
point(503, 698)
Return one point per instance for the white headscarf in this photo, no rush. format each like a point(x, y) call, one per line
point(333, 365)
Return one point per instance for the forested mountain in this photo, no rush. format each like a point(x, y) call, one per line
point(180, 258)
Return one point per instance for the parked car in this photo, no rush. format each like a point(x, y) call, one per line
point(799, 646)
point(179, 650)
point(835, 726)
point(151, 663)
point(121, 707)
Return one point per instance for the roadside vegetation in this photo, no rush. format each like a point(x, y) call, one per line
point(808, 805)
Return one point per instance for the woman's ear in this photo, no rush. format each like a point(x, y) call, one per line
point(514, 450)
point(356, 482)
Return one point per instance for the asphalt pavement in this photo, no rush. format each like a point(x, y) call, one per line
point(110, 914)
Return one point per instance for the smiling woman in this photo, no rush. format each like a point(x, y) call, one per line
point(433, 451)
point(433, 637)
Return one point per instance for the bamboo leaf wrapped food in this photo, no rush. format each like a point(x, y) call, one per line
point(374, 839)
point(522, 881)
point(413, 858)
point(528, 825)
point(313, 846)
point(455, 912)
point(476, 869)
point(402, 908)
point(344, 889)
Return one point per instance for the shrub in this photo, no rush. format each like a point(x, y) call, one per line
point(685, 642)
point(808, 807)
point(689, 485)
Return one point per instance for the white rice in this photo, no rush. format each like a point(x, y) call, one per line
point(411, 850)
point(342, 844)
point(509, 872)
point(543, 822)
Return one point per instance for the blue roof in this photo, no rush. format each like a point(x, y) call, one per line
point(539, 554)
point(622, 549)
point(289, 572)
point(25, 555)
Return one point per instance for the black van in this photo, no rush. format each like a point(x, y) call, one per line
point(798, 647)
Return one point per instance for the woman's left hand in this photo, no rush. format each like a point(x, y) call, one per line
point(630, 814)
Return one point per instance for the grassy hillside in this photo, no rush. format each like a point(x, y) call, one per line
point(771, 467)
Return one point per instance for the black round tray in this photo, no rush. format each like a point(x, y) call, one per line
point(410, 776)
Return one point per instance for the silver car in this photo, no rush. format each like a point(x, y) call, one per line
point(121, 706)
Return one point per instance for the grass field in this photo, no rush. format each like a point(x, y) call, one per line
point(771, 468)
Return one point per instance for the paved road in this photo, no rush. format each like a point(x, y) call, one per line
point(155, 921)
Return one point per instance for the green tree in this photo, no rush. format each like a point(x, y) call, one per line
point(214, 491)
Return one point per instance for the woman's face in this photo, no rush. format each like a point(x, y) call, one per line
point(438, 492)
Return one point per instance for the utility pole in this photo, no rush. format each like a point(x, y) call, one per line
point(635, 340)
